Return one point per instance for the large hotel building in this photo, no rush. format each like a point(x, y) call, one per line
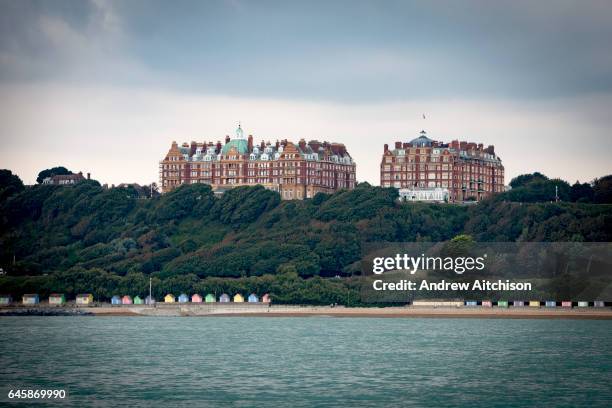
point(296, 171)
point(424, 169)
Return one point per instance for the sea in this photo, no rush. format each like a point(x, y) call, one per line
point(303, 362)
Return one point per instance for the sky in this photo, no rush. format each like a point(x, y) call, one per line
point(105, 86)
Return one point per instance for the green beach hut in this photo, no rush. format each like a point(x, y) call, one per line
point(210, 298)
point(502, 303)
point(138, 300)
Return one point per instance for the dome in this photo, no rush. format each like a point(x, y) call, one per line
point(421, 141)
point(240, 145)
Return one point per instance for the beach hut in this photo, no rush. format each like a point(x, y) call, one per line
point(583, 304)
point(487, 303)
point(550, 303)
point(116, 300)
point(266, 298)
point(169, 298)
point(5, 299)
point(224, 298)
point(566, 303)
point(599, 303)
point(471, 303)
point(183, 298)
point(502, 303)
point(253, 298)
point(57, 299)
point(30, 299)
point(518, 303)
point(210, 298)
point(138, 300)
point(238, 298)
point(534, 303)
point(84, 299)
point(149, 300)
point(126, 300)
point(195, 298)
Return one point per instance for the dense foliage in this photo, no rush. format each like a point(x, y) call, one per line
point(86, 238)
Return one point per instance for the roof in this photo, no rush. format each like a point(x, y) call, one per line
point(421, 141)
point(241, 146)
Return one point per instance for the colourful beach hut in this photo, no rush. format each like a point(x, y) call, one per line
point(116, 300)
point(471, 303)
point(30, 299)
point(183, 298)
point(534, 303)
point(502, 303)
point(169, 298)
point(149, 300)
point(6, 299)
point(126, 300)
point(210, 298)
point(266, 298)
point(518, 303)
point(566, 303)
point(238, 298)
point(224, 298)
point(84, 299)
point(583, 304)
point(253, 298)
point(138, 300)
point(487, 303)
point(550, 303)
point(599, 303)
point(195, 298)
point(57, 299)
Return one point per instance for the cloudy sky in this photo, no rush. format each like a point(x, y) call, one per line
point(105, 86)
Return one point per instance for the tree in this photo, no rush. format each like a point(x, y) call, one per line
point(581, 193)
point(602, 188)
point(55, 171)
point(526, 179)
point(9, 184)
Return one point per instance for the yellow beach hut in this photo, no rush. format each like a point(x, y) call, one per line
point(534, 303)
point(238, 298)
point(84, 299)
point(169, 298)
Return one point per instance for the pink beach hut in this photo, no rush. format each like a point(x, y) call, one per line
point(265, 298)
point(566, 303)
point(126, 300)
point(196, 298)
point(487, 303)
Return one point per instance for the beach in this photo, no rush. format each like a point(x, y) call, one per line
point(262, 310)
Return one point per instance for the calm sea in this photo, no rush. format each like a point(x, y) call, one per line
point(320, 361)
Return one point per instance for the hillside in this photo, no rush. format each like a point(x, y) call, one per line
point(86, 238)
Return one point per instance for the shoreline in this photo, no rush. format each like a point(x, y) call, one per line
point(202, 310)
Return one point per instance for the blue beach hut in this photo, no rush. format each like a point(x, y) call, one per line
point(253, 298)
point(224, 298)
point(149, 300)
point(471, 303)
point(551, 303)
point(116, 300)
point(183, 298)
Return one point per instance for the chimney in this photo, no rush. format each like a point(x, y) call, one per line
point(218, 150)
point(227, 139)
point(88, 176)
point(480, 146)
point(302, 144)
point(386, 148)
point(277, 144)
point(398, 145)
point(250, 143)
point(262, 145)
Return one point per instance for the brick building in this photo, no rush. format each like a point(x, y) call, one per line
point(296, 171)
point(468, 170)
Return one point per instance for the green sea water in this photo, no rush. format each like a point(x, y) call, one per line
point(294, 362)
